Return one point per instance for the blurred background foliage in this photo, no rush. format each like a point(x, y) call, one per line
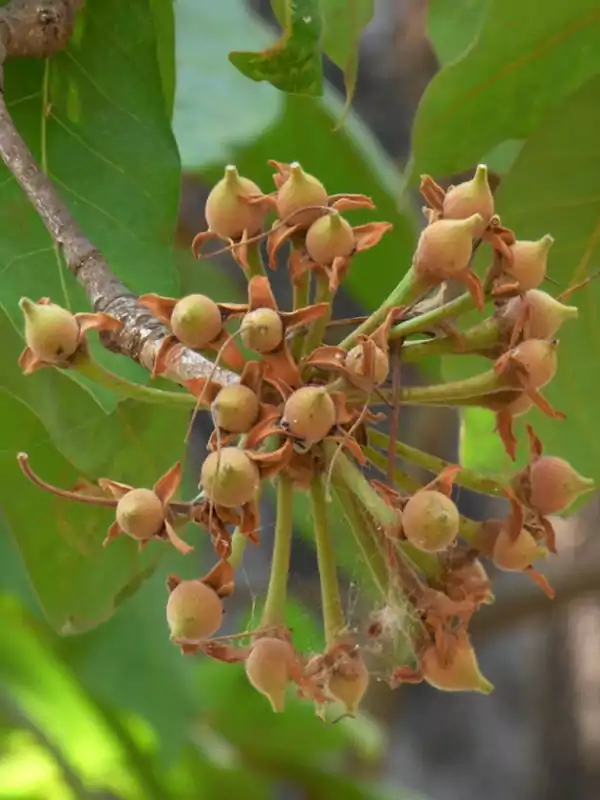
point(146, 93)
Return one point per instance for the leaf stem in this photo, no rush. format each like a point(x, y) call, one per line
point(351, 476)
point(238, 545)
point(300, 289)
point(405, 292)
point(93, 370)
point(334, 623)
point(361, 526)
point(466, 477)
point(315, 334)
point(421, 322)
point(479, 337)
point(255, 260)
point(451, 393)
point(274, 608)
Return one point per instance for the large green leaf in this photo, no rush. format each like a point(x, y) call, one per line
point(164, 14)
point(78, 582)
point(453, 25)
point(553, 188)
point(95, 118)
point(528, 58)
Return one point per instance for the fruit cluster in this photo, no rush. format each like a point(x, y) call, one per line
point(300, 412)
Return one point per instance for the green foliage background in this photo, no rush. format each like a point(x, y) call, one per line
point(116, 708)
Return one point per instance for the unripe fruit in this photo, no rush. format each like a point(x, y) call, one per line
point(445, 247)
point(268, 669)
point(539, 359)
point(229, 477)
point(355, 364)
point(554, 485)
point(546, 315)
point(298, 191)
point(459, 674)
point(330, 237)
point(140, 514)
point(196, 320)
point(227, 210)
point(519, 406)
point(518, 554)
point(51, 332)
point(430, 520)
point(309, 413)
point(235, 409)
point(530, 262)
point(262, 330)
point(349, 684)
point(194, 612)
point(471, 197)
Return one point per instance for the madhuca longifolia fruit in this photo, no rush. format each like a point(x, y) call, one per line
point(471, 197)
point(330, 237)
point(355, 364)
point(445, 247)
point(430, 520)
point(530, 261)
point(516, 555)
point(539, 359)
point(309, 413)
point(235, 409)
point(348, 683)
point(459, 672)
point(299, 191)
point(51, 332)
point(545, 315)
point(229, 477)
point(196, 320)
point(140, 514)
point(554, 485)
point(228, 211)
point(268, 669)
point(194, 612)
point(262, 330)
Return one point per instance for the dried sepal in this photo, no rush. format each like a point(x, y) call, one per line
point(144, 514)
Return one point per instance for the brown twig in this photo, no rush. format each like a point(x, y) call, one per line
point(37, 29)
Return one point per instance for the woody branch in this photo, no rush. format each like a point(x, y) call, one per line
point(37, 29)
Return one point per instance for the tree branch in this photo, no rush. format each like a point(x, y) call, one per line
point(37, 29)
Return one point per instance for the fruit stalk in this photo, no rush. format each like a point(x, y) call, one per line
point(274, 609)
point(466, 477)
point(334, 624)
point(421, 322)
point(85, 365)
point(405, 292)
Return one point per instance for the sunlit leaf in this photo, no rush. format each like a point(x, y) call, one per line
point(294, 63)
point(527, 59)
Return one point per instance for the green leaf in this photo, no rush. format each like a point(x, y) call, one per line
point(528, 58)
point(164, 15)
point(38, 684)
point(206, 33)
point(348, 160)
point(553, 188)
point(94, 116)
point(78, 582)
point(453, 25)
point(294, 63)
